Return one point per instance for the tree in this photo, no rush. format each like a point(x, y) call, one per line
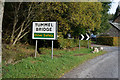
point(110, 16)
point(72, 17)
point(21, 14)
point(86, 16)
point(105, 17)
point(1, 18)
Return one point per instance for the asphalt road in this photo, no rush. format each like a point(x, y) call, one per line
point(104, 66)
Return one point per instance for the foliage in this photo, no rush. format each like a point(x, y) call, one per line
point(70, 43)
point(45, 67)
point(86, 16)
point(74, 18)
point(15, 53)
point(110, 16)
point(116, 41)
point(107, 40)
point(17, 21)
point(104, 19)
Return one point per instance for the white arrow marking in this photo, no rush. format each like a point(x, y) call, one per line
point(82, 37)
point(87, 36)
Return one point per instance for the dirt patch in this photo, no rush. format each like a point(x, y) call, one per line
point(79, 54)
point(57, 55)
point(33, 62)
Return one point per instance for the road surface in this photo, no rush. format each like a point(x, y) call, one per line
point(104, 66)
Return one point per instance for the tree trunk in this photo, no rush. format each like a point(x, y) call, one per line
point(1, 19)
point(19, 32)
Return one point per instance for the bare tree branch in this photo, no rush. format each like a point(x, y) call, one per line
point(24, 35)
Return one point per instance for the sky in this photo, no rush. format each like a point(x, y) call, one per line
point(114, 5)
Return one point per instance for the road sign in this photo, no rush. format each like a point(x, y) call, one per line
point(44, 30)
point(84, 37)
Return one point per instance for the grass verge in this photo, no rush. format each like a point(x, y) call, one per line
point(45, 67)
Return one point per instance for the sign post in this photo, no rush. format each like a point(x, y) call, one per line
point(88, 44)
point(81, 37)
point(79, 44)
point(88, 37)
point(84, 37)
point(52, 50)
point(44, 30)
point(36, 49)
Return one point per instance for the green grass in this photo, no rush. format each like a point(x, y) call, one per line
point(45, 67)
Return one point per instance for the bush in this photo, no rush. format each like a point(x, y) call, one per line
point(116, 41)
point(107, 40)
point(69, 43)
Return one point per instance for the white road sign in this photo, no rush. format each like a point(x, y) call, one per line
point(44, 30)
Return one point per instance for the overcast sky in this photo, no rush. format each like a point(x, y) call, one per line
point(114, 6)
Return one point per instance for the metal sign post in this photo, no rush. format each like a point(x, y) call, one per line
point(52, 50)
point(88, 37)
point(79, 44)
point(36, 49)
point(81, 37)
point(46, 31)
point(88, 44)
point(84, 37)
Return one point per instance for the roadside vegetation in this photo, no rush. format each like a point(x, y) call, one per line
point(73, 18)
point(43, 66)
point(20, 51)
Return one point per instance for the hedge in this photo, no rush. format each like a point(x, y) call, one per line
point(69, 43)
point(107, 40)
point(63, 43)
point(116, 41)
